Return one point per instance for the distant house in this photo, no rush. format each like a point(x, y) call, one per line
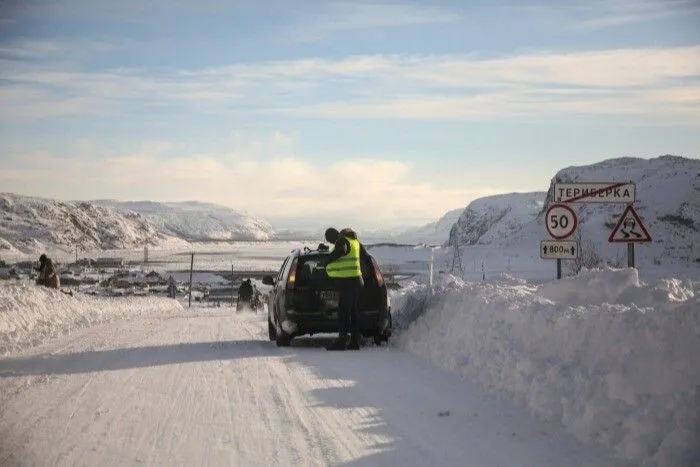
point(154, 278)
point(106, 262)
point(23, 265)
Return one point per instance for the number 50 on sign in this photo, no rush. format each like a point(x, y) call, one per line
point(561, 221)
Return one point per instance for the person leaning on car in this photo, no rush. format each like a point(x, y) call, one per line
point(343, 266)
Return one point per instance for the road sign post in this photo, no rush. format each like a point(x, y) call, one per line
point(561, 221)
point(558, 268)
point(629, 229)
point(630, 255)
point(559, 249)
point(595, 192)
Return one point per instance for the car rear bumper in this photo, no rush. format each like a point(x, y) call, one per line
point(300, 323)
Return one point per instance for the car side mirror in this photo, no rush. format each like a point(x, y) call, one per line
point(268, 280)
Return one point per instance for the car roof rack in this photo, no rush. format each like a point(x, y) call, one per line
point(322, 247)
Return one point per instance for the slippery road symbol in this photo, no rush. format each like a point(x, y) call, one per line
point(629, 228)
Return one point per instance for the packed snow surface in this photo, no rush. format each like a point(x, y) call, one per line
point(611, 358)
point(31, 315)
point(205, 386)
point(603, 356)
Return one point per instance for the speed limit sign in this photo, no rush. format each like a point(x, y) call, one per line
point(561, 221)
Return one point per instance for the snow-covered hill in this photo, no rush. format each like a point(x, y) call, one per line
point(495, 218)
point(195, 221)
point(31, 224)
point(434, 233)
point(668, 201)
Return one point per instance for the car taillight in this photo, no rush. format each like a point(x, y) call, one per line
point(377, 273)
point(292, 279)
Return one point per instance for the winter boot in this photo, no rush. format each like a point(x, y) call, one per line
point(341, 343)
point(355, 341)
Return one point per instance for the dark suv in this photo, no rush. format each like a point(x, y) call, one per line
point(303, 299)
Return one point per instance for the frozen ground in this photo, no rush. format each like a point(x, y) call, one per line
point(204, 386)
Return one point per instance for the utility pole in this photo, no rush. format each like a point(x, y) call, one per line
point(191, 268)
point(432, 257)
point(456, 257)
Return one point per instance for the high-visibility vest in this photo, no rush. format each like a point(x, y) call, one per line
point(348, 265)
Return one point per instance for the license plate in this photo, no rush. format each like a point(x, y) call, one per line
point(329, 297)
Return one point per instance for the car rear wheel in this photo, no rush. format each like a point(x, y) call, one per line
point(283, 339)
point(271, 331)
point(383, 336)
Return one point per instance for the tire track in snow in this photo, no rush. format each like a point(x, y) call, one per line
point(162, 392)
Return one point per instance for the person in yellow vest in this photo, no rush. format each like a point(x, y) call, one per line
point(343, 266)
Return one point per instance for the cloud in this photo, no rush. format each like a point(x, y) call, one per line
point(602, 14)
point(619, 82)
point(611, 13)
point(368, 192)
point(353, 16)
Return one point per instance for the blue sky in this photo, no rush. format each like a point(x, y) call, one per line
point(375, 114)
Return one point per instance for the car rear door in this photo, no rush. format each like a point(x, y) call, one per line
point(277, 293)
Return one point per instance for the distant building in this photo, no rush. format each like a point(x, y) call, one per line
point(22, 265)
point(154, 278)
point(109, 262)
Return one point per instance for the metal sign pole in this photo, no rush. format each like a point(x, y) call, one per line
point(558, 268)
point(630, 254)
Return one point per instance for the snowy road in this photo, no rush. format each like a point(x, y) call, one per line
point(208, 388)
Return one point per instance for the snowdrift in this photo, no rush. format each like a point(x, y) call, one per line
point(615, 360)
point(30, 315)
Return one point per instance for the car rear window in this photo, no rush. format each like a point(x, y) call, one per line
point(311, 272)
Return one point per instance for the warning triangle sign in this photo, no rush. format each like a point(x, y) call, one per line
point(629, 228)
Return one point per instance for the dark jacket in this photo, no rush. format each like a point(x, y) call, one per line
point(245, 291)
point(48, 276)
point(342, 248)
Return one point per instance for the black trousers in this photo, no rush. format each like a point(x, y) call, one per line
point(348, 306)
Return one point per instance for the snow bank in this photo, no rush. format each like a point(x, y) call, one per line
point(30, 315)
point(615, 360)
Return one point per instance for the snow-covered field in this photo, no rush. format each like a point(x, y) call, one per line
point(605, 359)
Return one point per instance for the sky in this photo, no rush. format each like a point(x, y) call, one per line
point(375, 114)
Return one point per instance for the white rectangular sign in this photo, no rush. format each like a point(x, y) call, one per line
point(595, 192)
point(558, 249)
